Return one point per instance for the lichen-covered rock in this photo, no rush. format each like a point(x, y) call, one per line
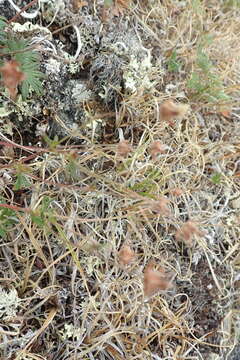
point(88, 60)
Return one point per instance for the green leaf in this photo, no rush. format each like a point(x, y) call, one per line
point(3, 232)
point(21, 182)
point(43, 212)
point(216, 178)
point(38, 220)
point(7, 219)
point(108, 3)
point(29, 63)
point(173, 64)
point(203, 61)
point(3, 23)
point(46, 201)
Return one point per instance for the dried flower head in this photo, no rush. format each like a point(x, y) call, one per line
point(160, 206)
point(124, 148)
point(170, 110)
point(12, 77)
point(79, 4)
point(157, 148)
point(120, 7)
point(187, 232)
point(176, 191)
point(155, 280)
point(126, 255)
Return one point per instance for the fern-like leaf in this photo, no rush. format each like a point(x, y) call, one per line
point(28, 60)
point(3, 24)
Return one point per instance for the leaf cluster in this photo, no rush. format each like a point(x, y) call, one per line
point(8, 219)
point(204, 81)
point(18, 49)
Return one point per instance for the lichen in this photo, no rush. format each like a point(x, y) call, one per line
point(53, 66)
point(136, 74)
point(31, 28)
point(69, 331)
point(9, 304)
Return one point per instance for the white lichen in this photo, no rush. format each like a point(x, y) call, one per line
point(53, 66)
point(69, 331)
point(80, 93)
point(73, 68)
point(4, 112)
point(136, 74)
point(9, 304)
point(32, 28)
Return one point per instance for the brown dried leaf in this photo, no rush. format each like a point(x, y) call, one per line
point(78, 4)
point(12, 77)
point(226, 113)
point(120, 7)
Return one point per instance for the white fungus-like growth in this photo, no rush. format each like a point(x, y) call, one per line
point(9, 303)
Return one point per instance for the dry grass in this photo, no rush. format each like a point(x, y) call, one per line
point(78, 205)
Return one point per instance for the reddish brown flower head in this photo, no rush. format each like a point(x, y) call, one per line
point(170, 110)
point(156, 148)
point(155, 280)
point(124, 148)
point(126, 255)
point(187, 232)
point(176, 191)
point(160, 206)
point(12, 77)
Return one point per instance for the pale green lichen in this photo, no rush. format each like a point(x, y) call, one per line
point(53, 66)
point(32, 28)
point(91, 263)
point(136, 74)
point(50, 7)
point(80, 93)
point(95, 126)
point(69, 331)
point(4, 112)
point(9, 304)
point(73, 67)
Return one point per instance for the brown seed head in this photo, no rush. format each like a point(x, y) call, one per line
point(156, 148)
point(12, 76)
point(160, 206)
point(126, 255)
point(176, 192)
point(187, 232)
point(170, 110)
point(124, 148)
point(155, 280)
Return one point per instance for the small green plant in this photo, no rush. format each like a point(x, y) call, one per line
point(7, 219)
point(43, 213)
point(204, 82)
point(231, 4)
point(216, 178)
point(173, 64)
point(148, 186)
point(20, 52)
point(22, 180)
